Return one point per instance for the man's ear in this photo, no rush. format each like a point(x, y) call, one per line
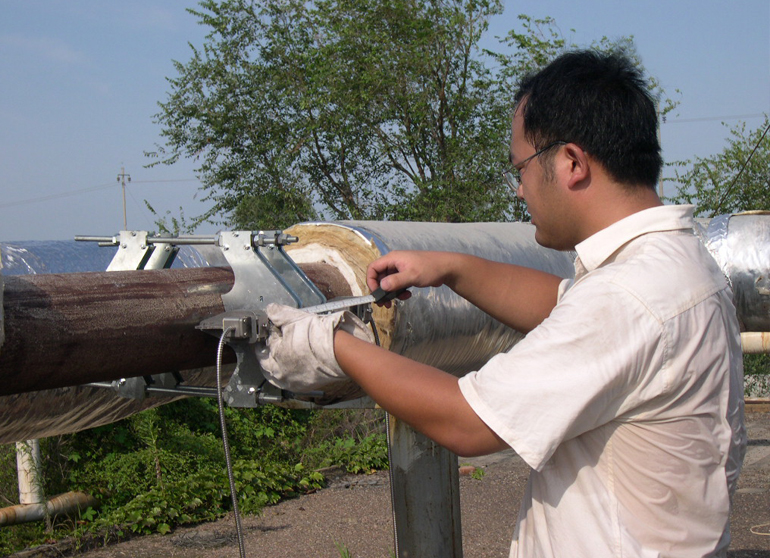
point(579, 166)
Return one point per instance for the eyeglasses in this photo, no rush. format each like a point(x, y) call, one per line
point(512, 177)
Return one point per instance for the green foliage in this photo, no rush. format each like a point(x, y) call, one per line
point(165, 466)
point(358, 108)
point(352, 109)
point(735, 180)
point(356, 456)
point(17, 537)
point(539, 42)
point(343, 550)
point(205, 496)
point(756, 365)
point(355, 440)
point(171, 224)
point(9, 486)
point(756, 374)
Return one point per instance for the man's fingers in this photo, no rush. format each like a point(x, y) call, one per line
point(381, 270)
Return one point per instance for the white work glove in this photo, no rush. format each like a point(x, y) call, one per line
point(299, 356)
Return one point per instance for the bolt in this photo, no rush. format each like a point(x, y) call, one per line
point(124, 245)
point(252, 390)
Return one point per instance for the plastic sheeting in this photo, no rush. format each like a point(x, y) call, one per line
point(68, 256)
point(58, 411)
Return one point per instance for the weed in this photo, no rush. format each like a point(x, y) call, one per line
point(343, 550)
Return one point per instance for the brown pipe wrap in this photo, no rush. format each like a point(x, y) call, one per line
point(76, 328)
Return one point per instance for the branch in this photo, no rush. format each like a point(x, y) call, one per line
point(740, 172)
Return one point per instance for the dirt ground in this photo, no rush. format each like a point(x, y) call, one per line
point(354, 513)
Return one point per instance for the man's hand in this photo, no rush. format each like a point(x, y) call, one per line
point(401, 270)
point(299, 355)
point(516, 296)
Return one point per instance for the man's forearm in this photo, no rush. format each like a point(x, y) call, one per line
point(424, 397)
point(517, 296)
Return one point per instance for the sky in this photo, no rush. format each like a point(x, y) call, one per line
point(80, 82)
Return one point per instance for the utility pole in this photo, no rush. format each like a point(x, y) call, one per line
point(122, 178)
point(661, 121)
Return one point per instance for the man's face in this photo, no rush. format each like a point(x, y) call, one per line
point(539, 187)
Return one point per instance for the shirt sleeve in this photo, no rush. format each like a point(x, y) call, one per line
point(592, 361)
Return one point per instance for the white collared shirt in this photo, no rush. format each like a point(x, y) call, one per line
point(627, 401)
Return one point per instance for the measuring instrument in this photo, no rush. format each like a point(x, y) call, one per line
point(378, 296)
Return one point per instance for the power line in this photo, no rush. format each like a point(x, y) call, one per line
point(56, 196)
point(711, 118)
point(49, 197)
point(740, 172)
point(169, 180)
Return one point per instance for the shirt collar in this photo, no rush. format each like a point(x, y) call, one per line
point(595, 249)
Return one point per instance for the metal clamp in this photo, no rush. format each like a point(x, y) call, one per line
point(263, 272)
point(137, 250)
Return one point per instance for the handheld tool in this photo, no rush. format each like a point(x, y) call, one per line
point(377, 296)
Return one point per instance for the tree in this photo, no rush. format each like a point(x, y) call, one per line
point(352, 109)
point(340, 109)
point(735, 180)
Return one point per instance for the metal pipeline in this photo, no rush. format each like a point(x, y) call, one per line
point(755, 342)
point(63, 504)
point(741, 246)
point(434, 326)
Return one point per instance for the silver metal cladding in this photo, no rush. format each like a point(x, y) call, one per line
point(740, 244)
point(438, 327)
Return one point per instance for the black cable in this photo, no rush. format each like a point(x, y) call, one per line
point(228, 460)
point(390, 453)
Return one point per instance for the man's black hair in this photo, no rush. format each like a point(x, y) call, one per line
point(601, 103)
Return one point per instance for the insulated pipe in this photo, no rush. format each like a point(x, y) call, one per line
point(755, 342)
point(83, 327)
point(741, 246)
point(63, 504)
point(435, 326)
point(75, 328)
point(52, 411)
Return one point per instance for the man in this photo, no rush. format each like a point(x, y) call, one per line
point(625, 397)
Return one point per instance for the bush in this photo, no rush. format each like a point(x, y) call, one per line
point(205, 496)
point(756, 373)
point(166, 467)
